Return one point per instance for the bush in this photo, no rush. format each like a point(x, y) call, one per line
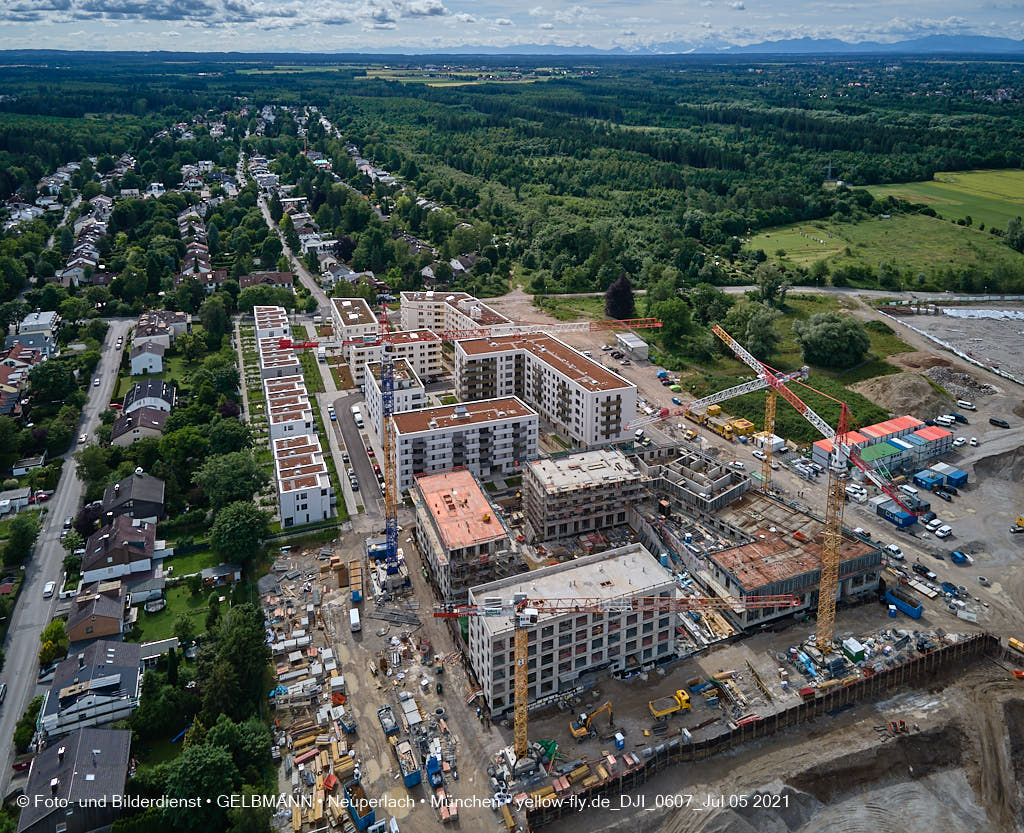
point(26, 725)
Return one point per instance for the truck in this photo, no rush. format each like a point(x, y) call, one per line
point(665, 706)
point(354, 624)
point(407, 763)
point(355, 580)
point(959, 558)
point(387, 721)
point(713, 421)
point(357, 415)
point(359, 806)
point(1017, 645)
point(321, 354)
point(903, 602)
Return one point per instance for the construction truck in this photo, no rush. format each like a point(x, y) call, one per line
point(665, 706)
point(713, 420)
point(581, 727)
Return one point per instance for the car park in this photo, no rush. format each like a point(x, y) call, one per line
point(998, 423)
point(944, 531)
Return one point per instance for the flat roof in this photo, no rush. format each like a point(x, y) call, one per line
point(615, 574)
point(403, 372)
point(413, 336)
point(587, 470)
point(287, 400)
point(354, 311)
point(461, 511)
point(299, 462)
point(560, 356)
point(267, 318)
point(468, 413)
point(786, 544)
point(465, 303)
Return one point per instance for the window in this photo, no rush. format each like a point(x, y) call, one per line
point(630, 633)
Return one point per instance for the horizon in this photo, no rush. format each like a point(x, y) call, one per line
point(443, 26)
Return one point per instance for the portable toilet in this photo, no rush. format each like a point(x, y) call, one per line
point(620, 740)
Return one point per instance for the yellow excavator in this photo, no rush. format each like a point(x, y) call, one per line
point(580, 728)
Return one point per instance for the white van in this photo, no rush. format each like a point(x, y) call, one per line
point(965, 405)
point(908, 490)
point(856, 493)
point(639, 435)
point(944, 421)
point(354, 624)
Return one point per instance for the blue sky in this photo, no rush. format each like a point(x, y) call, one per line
point(354, 25)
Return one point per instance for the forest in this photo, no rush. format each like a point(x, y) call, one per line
point(659, 169)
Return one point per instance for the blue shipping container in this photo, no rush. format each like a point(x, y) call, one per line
point(957, 477)
point(897, 516)
point(903, 602)
point(927, 479)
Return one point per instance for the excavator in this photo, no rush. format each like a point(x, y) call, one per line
point(580, 728)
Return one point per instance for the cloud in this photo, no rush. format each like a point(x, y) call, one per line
point(503, 21)
point(547, 26)
point(738, 5)
point(574, 14)
point(537, 11)
point(422, 8)
point(462, 17)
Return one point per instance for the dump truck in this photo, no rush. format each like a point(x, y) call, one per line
point(713, 420)
point(665, 706)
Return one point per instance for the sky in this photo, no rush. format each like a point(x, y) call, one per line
point(425, 25)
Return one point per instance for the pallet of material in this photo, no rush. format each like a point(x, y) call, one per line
point(305, 756)
point(296, 819)
point(345, 768)
point(578, 774)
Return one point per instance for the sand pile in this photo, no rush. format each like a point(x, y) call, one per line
point(905, 393)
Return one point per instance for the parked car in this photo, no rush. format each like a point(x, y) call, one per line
point(96, 382)
point(921, 570)
point(49, 588)
point(760, 455)
point(737, 464)
point(928, 516)
point(676, 400)
point(959, 441)
point(974, 442)
point(369, 452)
point(68, 521)
point(943, 495)
point(998, 423)
point(944, 531)
point(934, 524)
point(894, 552)
point(950, 489)
point(666, 383)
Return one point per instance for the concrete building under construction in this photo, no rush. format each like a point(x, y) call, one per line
point(462, 537)
point(782, 555)
point(579, 493)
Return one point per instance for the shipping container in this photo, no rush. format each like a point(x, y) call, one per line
point(893, 514)
point(903, 602)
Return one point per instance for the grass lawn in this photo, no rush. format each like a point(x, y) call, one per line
point(989, 197)
point(5, 525)
point(192, 562)
point(916, 242)
point(154, 626)
point(571, 309)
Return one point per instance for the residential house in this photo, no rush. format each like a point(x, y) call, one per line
point(92, 687)
point(147, 590)
point(140, 423)
point(44, 324)
point(282, 279)
point(122, 547)
point(147, 358)
point(152, 393)
point(98, 612)
point(32, 341)
point(77, 779)
point(14, 500)
point(140, 496)
point(27, 464)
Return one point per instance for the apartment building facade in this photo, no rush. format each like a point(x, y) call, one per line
point(579, 493)
point(462, 536)
point(409, 393)
point(289, 413)
point(421, 348)
point(270, 322)
point(446, 311)
point(304, 490)
point(490, 438)
point(564, 650)
point(583, 400)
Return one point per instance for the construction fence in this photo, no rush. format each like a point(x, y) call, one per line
point(675, 751)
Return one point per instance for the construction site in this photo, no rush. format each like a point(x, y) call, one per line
point(641, 628)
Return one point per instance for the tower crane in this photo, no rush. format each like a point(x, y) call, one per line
point(842, 454)
point(526, 612)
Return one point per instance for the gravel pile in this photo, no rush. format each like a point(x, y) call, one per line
point(960, 385)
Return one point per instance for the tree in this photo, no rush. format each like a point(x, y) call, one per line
point(21, 537)
point(54, 639)
point(214, 316)
point(228, 435)
point(760, 337)
point(205, 771)
point(73, 541)
point(709, 303)
point(184, 630)
point(240, 644)
point(829, 339)
point(26, 725)
point(52, 381)
point(226, 478)
point(618, 299)
point(238, 530)
point(771, 285)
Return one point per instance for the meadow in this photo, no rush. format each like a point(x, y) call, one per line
point(989, 197)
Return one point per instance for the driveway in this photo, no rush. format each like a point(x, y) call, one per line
point(33, 612)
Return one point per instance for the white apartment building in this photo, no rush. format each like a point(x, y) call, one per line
point(446, 311)
point(564, 649)
point(289, 413)
point(304, 489)
point(585, 401)
point(353, 319)
point(490, 438)
point(421, 348)
point(277, 361)
point(271, 322)
point(409, 393)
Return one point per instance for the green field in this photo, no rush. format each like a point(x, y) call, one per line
point(989, 197)
point(908, 241)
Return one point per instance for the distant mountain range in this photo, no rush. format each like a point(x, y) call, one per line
point(966, 45)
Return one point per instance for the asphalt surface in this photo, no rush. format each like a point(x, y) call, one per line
point(32, 612)
point(369, 494)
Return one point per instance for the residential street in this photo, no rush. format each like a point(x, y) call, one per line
point(33, 612)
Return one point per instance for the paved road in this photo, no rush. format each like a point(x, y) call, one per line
point(368, 494)
point(308, 280)
point(33, 612)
